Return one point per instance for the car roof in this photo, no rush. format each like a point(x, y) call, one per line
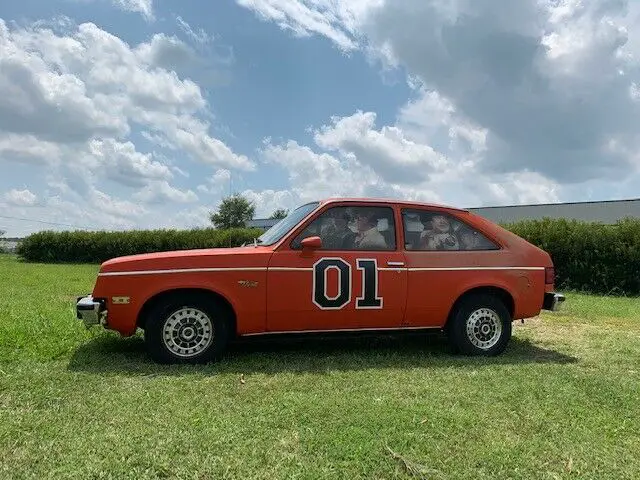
point(391, 201)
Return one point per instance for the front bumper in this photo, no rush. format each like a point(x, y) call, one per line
point(91, 311)
point(553, 301)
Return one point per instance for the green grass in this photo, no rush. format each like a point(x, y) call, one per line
point(562, 402)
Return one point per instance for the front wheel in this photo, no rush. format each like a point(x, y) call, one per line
point(480, 325)
point(192, 329)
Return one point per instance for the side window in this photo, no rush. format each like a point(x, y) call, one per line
point(437, 231)
point(352, 228)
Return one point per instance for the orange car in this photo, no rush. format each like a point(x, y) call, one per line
point(332, 265)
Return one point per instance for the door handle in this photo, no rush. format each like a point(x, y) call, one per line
point(395, 264)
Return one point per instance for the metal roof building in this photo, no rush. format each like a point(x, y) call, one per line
point(607, 212)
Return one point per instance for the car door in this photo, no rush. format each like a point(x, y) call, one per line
point(354, 280)
point(443, 255)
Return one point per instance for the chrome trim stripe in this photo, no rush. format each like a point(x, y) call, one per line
point(291, 269)
point(183, 270)
point(298, 269)
point(420, 269)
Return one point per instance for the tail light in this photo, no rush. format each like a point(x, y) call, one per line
point(549, 275)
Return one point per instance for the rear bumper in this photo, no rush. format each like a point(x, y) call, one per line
point(91, 311)
point(553, 301)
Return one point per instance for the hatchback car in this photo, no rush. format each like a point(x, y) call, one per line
point(335, 265)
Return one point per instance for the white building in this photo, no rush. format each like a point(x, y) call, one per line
point(9, 244)
point(607, 212)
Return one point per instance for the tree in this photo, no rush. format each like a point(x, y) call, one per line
point(234, 212)
point(279, 213)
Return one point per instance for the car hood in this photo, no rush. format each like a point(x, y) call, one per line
point(248, 256)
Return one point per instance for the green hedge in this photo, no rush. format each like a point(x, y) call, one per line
point(96, 247)
point(589, 257)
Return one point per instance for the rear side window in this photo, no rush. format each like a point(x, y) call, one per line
point(437, 231)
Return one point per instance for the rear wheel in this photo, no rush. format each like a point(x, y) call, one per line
point(188, 329)
point(480, 325)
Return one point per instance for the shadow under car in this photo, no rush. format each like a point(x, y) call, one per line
point(307, 353)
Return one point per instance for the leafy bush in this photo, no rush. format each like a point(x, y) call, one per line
point(96, 247)
point(588, 256)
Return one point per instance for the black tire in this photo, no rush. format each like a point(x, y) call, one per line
point(494, 308)
point(195, 312)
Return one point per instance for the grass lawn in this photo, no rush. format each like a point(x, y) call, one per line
point(562, 402)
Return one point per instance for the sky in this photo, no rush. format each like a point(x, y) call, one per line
point(122, 114)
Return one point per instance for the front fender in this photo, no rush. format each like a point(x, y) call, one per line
point(244, 291)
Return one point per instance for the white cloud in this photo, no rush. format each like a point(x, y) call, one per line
point(21, 198)
point(534, 86)
point(218, 183)
point(313, 175)
point(200, 37)
point(28, 148)
point(221, 176)
point(186, 133)
point(74, 98)
point(180, 171)
point(121, 162)
point(205, 58)
point(268, 201)
point(429, 117)
point(61, 208)
point(168, 52)
point(162, 192)
point(333, 19)
point(64, 209)
point(87, 83)
point(515, 102)
point(143, 7)
point(91, 203)
point(43, 101)
point(387, 151)
point(551, 90)
point(115, 207)
point(398, 161)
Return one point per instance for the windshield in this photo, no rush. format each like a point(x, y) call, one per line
point(284, 226)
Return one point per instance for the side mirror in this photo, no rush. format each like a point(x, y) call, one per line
point(311, 243)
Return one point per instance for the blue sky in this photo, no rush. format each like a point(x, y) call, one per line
point(144, 114)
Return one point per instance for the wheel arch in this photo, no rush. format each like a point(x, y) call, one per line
point(502, 293)
point(165, 295)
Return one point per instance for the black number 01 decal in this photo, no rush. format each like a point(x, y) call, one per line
point(369, 298)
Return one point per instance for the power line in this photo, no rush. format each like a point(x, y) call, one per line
point(40, 221)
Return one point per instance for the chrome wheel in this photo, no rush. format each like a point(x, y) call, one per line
point(484, 328)
point(187, 332)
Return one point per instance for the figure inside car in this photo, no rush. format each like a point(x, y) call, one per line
point(438, 235)
point(368, 236)
point(337, 235)
point(469, 240)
